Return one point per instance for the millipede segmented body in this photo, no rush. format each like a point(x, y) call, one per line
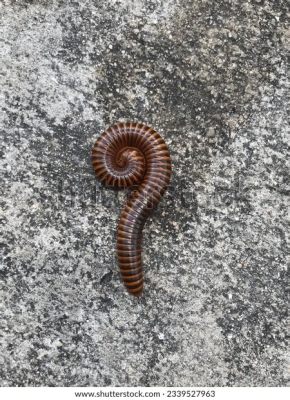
point(133, 155)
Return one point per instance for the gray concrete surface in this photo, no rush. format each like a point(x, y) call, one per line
point(211, 76)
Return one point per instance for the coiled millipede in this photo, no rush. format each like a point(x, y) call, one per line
point(133, 155)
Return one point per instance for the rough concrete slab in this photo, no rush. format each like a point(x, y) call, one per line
point(211, 76)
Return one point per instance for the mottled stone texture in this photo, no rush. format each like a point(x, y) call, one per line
point(211, 76)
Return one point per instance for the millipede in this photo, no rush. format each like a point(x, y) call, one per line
point(133, 155)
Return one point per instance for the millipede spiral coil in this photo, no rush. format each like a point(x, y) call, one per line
point(133, 155)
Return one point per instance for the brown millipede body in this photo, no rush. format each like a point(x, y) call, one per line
point(133, 155)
